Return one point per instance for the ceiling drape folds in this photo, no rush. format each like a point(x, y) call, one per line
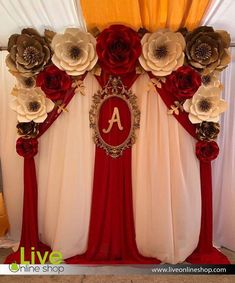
point(52, 14)
point(150, 14)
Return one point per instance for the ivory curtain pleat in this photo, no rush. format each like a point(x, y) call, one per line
point(151, 14)
point(166, 181)
point(12, 165)
point(224, 167)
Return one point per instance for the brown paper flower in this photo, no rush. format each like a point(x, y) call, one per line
point(28, 130)
point(208, 131)
point(207, 50)
point(28, 53)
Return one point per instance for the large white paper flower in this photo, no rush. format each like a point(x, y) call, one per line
point(162, 52)
point(205, 105)
point(31, 105)
point(74, 51)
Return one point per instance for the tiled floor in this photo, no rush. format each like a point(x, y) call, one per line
point(121, 279)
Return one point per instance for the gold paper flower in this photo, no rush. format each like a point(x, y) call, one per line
point(28, 130)
point(207, 50)
point(31, 105)
point(74, 51)
point(207, 131)
point(162, 52)
point(205, 105)
point(28, 53)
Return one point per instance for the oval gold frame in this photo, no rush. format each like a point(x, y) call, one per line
point(114, 88)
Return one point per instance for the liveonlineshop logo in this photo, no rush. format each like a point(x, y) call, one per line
point(28, 266)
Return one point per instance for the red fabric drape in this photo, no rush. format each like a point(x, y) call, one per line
point(111, 232)
point(29, 234)
point(29, 230)
point(205, 253)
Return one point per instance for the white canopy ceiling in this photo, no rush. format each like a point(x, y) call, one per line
point(222, 16)
point(58, 14)
point(40, 14)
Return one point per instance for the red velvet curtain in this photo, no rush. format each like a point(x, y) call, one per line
point(111, 232)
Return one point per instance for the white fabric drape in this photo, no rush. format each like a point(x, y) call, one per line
point(12, 165)
point(65, 175)
point(166, 181)
point(40, 14)
point(224, 167)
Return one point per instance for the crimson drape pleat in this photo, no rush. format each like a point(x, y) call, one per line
point(29, 234)
point(111, 232)
point(205, 253)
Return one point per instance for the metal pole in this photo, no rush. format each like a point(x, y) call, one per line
point(2, 48)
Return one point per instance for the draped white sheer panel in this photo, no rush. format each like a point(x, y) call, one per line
point(166, 181)
point(65, 175)
point(224, 167)
point(40, 14)
point(12, 165)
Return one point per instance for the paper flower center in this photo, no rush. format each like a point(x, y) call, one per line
point(31, 55)
point(29, 82)
point(34, 106)
point(203, 51)
point(204, 105)
point(160, 52)
point(206, 79)
point(74, 52)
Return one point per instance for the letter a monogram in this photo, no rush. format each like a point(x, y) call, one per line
point(115, 119)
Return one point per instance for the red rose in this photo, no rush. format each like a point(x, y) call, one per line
point(183, 82)
point(118, 48)
point(54, 82)
point(207, 150)
point(27, 147)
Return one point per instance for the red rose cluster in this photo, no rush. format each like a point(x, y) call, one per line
point(183, 82)
point(54, 82)
point(27, 148)
point(207, 150)
point(118, 49)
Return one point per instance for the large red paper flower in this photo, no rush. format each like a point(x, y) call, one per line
point(54, 82)
point(118, 48)
point(27, 148)
point(183, 82)
point(207, 151)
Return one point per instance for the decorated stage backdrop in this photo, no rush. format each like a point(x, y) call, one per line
point(140, 114)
